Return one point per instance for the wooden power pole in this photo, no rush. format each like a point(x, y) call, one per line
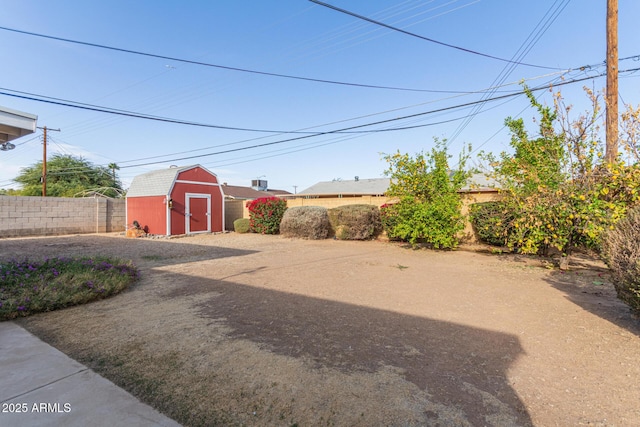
point(611, 152)
point(44, 160)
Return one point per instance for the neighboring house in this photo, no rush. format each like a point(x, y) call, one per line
point(236, 192)
point(480, 183)
point(352, 188)
point(377, 187)
point(177, 200)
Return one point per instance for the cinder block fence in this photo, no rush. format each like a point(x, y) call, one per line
point(43, 216)
point(46, 216)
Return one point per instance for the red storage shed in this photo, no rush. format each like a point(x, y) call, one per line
point(178, 200)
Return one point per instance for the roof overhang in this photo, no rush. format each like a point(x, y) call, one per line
point(15, 124)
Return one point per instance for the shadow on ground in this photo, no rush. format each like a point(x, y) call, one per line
point(588, 284)
point(459, 366)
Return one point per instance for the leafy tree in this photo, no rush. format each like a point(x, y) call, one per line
point(557, 190)
point(428, 207)
point(69, 176)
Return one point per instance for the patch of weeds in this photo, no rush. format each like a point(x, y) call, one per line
point(151, 257)
point(401, 267)
point(28, 287)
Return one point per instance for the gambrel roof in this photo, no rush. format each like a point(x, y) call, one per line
point(158, 182)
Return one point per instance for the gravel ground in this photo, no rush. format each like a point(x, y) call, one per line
point(247, 329)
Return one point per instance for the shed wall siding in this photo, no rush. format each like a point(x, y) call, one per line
point(150, 212)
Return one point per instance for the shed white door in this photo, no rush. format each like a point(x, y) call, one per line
point(198, 213)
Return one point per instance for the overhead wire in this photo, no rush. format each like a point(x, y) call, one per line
point(93, 107)
point(382, 24)
point(90, 107)
point(359, 38)
point(356, 127)
point(206, 64)
point(545, 22)
point(368, 124)
point(346, 137)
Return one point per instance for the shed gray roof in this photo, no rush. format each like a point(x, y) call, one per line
point(378, 186)
point(155, 183)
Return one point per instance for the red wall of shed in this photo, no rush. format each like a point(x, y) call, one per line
point(198, 175)
point(150, 212)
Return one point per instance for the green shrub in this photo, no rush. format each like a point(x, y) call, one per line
point(265, 214)
point(241, 225)
point(434, 224)
point(428, 207)
point(491, 221)
point(306, 222)
point(621, 252)
point(355, 222)
point(388, 218)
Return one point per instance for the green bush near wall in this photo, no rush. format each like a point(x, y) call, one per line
point(241, 225)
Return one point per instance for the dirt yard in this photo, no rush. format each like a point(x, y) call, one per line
point(261, 330)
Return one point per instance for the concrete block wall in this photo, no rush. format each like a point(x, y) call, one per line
point(468, 198)
point(334, 202)
point(42, 216)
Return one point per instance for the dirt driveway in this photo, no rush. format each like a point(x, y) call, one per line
point(261, 330)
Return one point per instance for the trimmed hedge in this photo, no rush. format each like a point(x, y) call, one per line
point(355, 222)
point(621, 252)
point(490, 220)
point(305, 222)
point(241, 225)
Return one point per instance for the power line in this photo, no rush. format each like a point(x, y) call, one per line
point(109, 110)
point(534, 36)
point(382, 24)
point(343, 130)
point(369, 124)
point(224, 67)
point(90, 107)
point(358, 39)
point(350, 129)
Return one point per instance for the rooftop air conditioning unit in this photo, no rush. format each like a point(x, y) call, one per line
point(259, 184)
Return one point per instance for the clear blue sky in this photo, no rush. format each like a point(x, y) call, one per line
point(292, 37)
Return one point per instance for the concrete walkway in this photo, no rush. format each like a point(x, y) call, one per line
point(41, 386)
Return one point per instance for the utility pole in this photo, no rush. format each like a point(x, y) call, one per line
point(44, 160)
point(611, 152)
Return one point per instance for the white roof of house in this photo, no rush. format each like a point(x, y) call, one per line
point(378, 186)
point(156, 183)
